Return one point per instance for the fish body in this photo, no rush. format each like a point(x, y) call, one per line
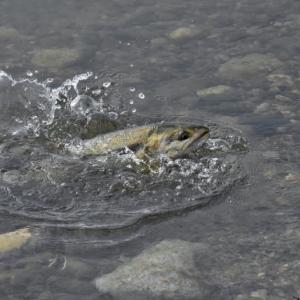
point(169, 139)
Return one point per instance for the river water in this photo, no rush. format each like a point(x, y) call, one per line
point(72, 69)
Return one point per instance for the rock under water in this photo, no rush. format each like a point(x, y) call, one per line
point(167, 269)
point(14, 239)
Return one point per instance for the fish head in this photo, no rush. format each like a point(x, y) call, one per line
point(175, 140)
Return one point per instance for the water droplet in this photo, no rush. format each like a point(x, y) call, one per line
point(141, 96)
point(132, 89)
point(113, 115)
point(96, 77)
point(134, 110)
point(29, 73)
point(18, 120)
point(97, 92)
point(49, 80)
point(131, 102)
point(107, 84)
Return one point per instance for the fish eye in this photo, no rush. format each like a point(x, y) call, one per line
point(183, 135)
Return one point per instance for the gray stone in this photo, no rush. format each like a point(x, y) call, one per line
point(219, 92)
point(182, 33)
point(288, 111)
point(280, 80)
point(292, 177)
point(243, 297)
point(8, 33)
point(283, 99)
point(167, 270)
point(55, 58)
point(259, 294)
point(263, 107)
point(14, 239)
point(248, 66)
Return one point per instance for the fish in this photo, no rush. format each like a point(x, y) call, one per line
point(169, 139)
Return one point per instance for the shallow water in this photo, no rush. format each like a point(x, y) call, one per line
point(230, 65)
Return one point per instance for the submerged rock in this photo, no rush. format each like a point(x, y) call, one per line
point(167, 270)
point(262, 108)
point(14, 239)
point(185, 32)
point(219, 92)
point(248, 66)
point(55, 58)
point(158, 42)
point(8, 33)
point(280, 82)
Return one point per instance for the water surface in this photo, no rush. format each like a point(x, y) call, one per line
point(230, 65)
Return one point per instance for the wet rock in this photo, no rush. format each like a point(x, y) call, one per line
point(292, 178)
point(8, 33)
point(185, 33)
point(262, 108)
point(280, 81)
point(248, 66)
point(219, 92)
point(14, 239)
point(248, 297)
point(166, 269)
point(270, 173)
point(158, 42)
point(259, 294)
point(288, 111)
point(283, 99)
point(55, 58)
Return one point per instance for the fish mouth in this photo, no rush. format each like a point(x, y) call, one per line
point(193, 143)
point(198, 139)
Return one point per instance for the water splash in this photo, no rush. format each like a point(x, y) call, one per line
point(53, 189)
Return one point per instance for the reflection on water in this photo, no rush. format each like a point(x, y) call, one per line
point(71, 70)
